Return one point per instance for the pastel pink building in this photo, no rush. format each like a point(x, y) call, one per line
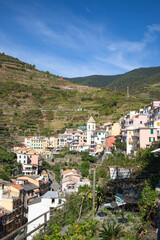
point(143, 137)
point(29, 160)
point(33, 159)
point(147, 136)
point(79, 138)
point(137, 120)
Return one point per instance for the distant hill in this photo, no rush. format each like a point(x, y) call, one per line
point(37, 102)
point(142, 80)
point(95, 80)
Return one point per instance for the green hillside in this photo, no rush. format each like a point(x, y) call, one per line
point(95, 80)
point(145, 81)
point(37, 102)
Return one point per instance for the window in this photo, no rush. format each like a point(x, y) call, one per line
point(59, 201)
point(24, 156)
point(99, 133)
point(30, 156)
point(89, 126)
point(140, 122)
point(151, 131)
point(150, 139)
point(154, 139)
point(24, 161)
point(19, 156)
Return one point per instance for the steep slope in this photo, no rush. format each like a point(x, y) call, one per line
point(95, 80)
point(142, 80)
point(37, 102)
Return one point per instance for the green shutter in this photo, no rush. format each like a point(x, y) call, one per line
point(150, 139)
point(151, 131)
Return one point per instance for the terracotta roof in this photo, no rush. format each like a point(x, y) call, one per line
point(29, 136)
point(19, 145)
point(69, 171)
point(17, 186)
point(22, 179)
point(31, 151)
point(85, 180)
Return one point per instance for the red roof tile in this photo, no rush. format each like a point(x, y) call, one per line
point(17, 186)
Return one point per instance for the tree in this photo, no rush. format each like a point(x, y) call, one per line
point(100, 194)
point(85, 169)
point(87, 158)
point(120, 145)
point(147, 202)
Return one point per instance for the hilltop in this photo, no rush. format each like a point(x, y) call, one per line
point(144, 81)
point(38, 102)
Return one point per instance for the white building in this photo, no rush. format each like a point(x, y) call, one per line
point(119, 173)
point(41, 205)
point(129, 140)
point(100, 138)
point(22, 158)
point(29, 169)
point(62, 140)
point(91, 127)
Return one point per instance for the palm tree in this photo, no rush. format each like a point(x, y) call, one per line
point(111, 231)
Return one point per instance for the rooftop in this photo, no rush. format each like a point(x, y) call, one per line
point(17, 186)
point(36, 200)
point(50, 194)
point(91, 120)
point(107, 124)
point(29, 187)
point(69, 171)
point(4, 182)
point(19, 145)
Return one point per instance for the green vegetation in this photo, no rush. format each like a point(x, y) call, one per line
point(142, 80)
point(143, 159)
point(111, 231)
point(85, 169)
point(147, 203)
point(8, 164)
point(87, 158)
point(50, 103)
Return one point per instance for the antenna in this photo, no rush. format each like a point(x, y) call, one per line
point(128, 91)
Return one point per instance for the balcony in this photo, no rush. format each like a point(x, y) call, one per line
point(136, 135)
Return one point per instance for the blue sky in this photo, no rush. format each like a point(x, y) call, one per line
point(82, 37)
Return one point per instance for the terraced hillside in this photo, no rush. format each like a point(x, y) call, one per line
point(37, 102)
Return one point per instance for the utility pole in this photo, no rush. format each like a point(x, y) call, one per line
point(127, 91)
point(94, 183)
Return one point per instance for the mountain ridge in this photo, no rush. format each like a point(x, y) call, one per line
point(136, 79)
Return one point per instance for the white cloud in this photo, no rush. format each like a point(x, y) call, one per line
point(79, 48)
point(154, 27)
